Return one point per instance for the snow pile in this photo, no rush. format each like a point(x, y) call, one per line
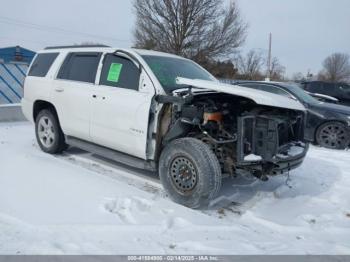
point(292, 152)
point(253, 158)
point(74, 205)
point(295, 151)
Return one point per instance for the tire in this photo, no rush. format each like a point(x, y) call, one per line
point(333, 135)
point(190, 173)
point(48, 133)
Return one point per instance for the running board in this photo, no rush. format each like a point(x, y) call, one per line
point(111, 154)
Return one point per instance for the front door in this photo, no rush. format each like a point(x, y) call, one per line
point(120, 108)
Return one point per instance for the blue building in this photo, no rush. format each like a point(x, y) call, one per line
point(14, 62)
point(16, 54)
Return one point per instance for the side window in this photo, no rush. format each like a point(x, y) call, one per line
point(344, 88)
point(80, 67)
point(315, 87)
point(275, 90)
point(329, 89)
point(308, 87)
point(120, 72)
point(42, 64)
point(311, 87)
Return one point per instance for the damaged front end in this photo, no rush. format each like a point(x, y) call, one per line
point(270, 145)
point(246, 137)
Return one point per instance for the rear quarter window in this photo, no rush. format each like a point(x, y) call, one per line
point(42, 64)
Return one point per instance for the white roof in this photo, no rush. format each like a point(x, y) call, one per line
point(154, 53)
point(79, 49)
point(109, 50)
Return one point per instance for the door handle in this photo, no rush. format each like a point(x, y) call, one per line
point(59, 89)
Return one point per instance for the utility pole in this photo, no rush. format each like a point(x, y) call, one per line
point(269, 59)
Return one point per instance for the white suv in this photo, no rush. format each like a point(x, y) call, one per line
point(164, 113)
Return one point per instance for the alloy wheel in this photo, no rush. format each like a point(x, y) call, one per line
point(46, 132)
point(333, 136)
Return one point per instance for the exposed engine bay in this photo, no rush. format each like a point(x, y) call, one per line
point(243, 135)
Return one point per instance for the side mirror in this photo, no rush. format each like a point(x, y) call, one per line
point(165, 99)
point(146, 85)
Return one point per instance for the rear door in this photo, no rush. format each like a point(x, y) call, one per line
point(121, 107)
point(73, 92)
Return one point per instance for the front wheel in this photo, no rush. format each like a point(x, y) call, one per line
point(333, 135)
point(190, 172)
point(48, 133)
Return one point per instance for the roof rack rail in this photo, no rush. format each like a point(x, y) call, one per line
point(74, 46)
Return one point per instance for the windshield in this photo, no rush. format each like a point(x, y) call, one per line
point(167, 69)
point(297, 91)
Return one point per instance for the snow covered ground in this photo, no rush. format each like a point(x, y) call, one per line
point(81, 204)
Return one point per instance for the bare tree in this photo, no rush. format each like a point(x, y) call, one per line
point(277, 70)
point(249, 65)
point(202, 30)
point(222, 69)
point(336, 68)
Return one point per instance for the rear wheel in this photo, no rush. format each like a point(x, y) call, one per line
point(333, 135)
point(48, 133)
point(190, 172)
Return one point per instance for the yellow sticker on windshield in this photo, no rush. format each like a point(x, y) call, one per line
point(114, 72)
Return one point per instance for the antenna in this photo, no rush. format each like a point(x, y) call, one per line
point(269, 59)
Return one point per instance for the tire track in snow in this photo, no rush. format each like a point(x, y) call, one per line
point(137, 178)
point(221, 207)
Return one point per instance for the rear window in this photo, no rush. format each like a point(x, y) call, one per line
point(42, 64)
point(80, 67)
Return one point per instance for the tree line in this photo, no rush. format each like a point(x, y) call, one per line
point(211, 32)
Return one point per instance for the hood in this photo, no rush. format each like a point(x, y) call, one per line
point(259, 97)
point(334, 108)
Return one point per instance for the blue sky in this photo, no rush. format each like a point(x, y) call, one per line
point(304, 31)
